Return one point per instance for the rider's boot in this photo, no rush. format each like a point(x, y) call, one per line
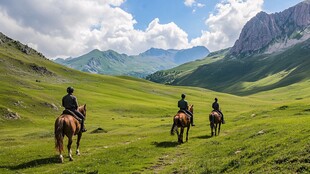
point(192, 121)
point(83, 126)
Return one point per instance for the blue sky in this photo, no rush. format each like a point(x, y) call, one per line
point(75, 27)
point(189, 18)
point(168, 11)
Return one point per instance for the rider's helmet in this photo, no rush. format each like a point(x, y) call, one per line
point(183, 95)
point(215, 99)
point(70, 90)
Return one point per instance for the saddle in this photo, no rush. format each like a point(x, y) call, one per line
point(218, 112)
point(68, 112)
point(183, 111)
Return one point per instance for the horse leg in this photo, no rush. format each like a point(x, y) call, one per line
point(78, 143)
point(211, 126)
point(181, 134)
point(69, 147)
point(60, 150)
point(187, 133)
point(219, 128)
point(172, 129)
point(177, 131)
point(215, 129)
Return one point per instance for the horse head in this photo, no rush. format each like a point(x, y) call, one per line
point(82, 109)
point(191, 108)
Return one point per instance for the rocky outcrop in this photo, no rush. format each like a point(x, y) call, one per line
point(21, 47)
point(8, 114)
point(266, 29)
point(41, 70)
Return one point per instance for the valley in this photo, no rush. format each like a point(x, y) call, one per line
point(129, 121)
point(262, 84)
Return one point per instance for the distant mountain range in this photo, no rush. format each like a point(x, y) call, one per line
point(112, 63)
point(273, 50)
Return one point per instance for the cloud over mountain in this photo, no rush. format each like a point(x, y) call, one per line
point(74, 27)
point(226, 23)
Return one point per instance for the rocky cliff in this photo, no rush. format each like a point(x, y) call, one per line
point(273, 32)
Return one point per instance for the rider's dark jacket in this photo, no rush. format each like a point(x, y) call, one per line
point(69, 102)
point(216, 106)
point(183, 105)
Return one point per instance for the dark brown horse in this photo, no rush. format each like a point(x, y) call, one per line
point(215, 122)
point(181, 120)
point(67, 125)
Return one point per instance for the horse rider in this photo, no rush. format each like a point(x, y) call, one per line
point(183, 105)
point(69, 102)
point(216, 108)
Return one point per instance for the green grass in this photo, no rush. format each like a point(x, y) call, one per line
point(267, 132)
point(170, 75)
point(242, 75)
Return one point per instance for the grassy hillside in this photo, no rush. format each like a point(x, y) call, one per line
point(265, 133)
point(170, 75)
point(247, 75)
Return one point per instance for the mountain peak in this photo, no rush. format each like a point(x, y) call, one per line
point(154, 52)
point(306, 1)
point(95, 51)
point(264, 29)
point(154, 59)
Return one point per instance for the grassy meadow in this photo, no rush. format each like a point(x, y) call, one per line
point(129, 122)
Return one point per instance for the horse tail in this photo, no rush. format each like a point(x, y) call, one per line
point(212, 118)
point(174, 125)
point(59, 125)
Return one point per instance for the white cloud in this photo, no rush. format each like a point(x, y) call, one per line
point(200, 5)
point(194, 4)
point(227, 22)
point(74, 27)
point(189, 2)
point(156, 35)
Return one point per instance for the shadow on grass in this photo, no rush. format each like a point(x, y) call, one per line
point(165, 144)
point(204, 137)
point(33, 163)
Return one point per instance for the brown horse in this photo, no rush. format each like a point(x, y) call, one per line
point(181, 120)
point(67, 125)
point(215, 122)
